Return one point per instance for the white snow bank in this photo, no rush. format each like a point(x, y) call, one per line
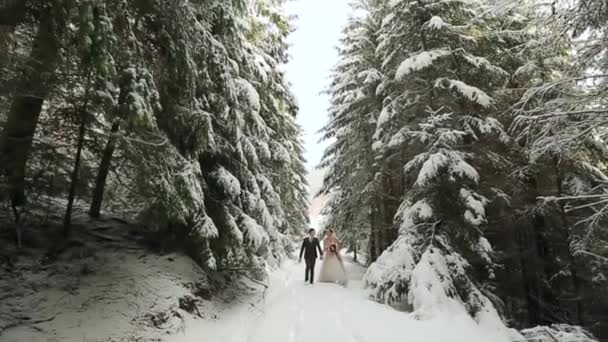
point(426, 287)
point(294, 312)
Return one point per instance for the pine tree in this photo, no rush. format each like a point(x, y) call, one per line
point(560, 121)
point(351, 179)
point(440, 115)
point(190, 125)
point(32, 89)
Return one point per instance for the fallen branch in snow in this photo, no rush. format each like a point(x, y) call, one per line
point(106, 237)
point(550, 334)
point(26, 321)
point(242, 271)
point(188, 304)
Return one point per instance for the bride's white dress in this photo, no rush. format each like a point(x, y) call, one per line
point(332, 269)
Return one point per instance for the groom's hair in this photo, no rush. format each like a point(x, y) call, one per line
point(311, 230)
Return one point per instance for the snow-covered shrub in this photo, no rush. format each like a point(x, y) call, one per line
point(557, 333)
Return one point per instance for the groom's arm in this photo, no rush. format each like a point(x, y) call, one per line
point(302, 249)
point(319, 247)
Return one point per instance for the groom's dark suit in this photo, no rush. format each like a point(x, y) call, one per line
point(309, 249)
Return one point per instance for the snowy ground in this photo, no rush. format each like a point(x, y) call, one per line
point(295, 312)
point(103, 286)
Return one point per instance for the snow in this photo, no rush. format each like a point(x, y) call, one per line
point(557, 332)
point(255, 234)
point(420, 210)
point(429, 286)
point(263, 68)
point(370, 76)
point(420, 61)
point(387, 20)
point(463, 169)
point(228, 182)
point(475, 213)
point(387, 277)
point(484, 249)
point(385, 115)
point(247, 90)
point(205, 228)
point(117, 300)
point(280, 153)
point(377, 145)
point(481, 62)
point(485, 125)
point(473, 94)
point(430, 168)
point(436, 23)
point(294, 312)
point(433, 164)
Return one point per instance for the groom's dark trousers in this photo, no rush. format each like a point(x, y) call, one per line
point(309, 249)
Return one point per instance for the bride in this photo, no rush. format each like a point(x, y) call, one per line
point(332, 268)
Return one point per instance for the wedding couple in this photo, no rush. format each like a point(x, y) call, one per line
point(332, 268)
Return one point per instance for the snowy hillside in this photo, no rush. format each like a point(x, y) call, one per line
point(101, 286)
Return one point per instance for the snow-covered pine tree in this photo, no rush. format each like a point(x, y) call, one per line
point(560, 123)
point(350, 181)
point(440, 114)
point(258, 145)
point(196, 128)
point(32, 85)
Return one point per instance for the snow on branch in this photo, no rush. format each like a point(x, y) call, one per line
point(436, 23)
point(228, 182)
point(471, 93)
point(420, 61)
point(254, 234)
point(452, 162)
point(475, 204)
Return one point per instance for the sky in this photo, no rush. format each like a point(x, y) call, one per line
point(313, 54)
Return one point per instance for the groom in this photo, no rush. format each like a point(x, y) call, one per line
point(310, 245)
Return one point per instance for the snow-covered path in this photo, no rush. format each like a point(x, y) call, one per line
point(296, 312)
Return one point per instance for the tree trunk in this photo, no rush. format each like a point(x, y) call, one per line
point(102, 173)
point(372, 238)
point(528, 265)
point(574, 277)
point(12, 14)
point(376, 231)
point(382, 226)
point(74, 179)
point(67, 221)
point(32, 88)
